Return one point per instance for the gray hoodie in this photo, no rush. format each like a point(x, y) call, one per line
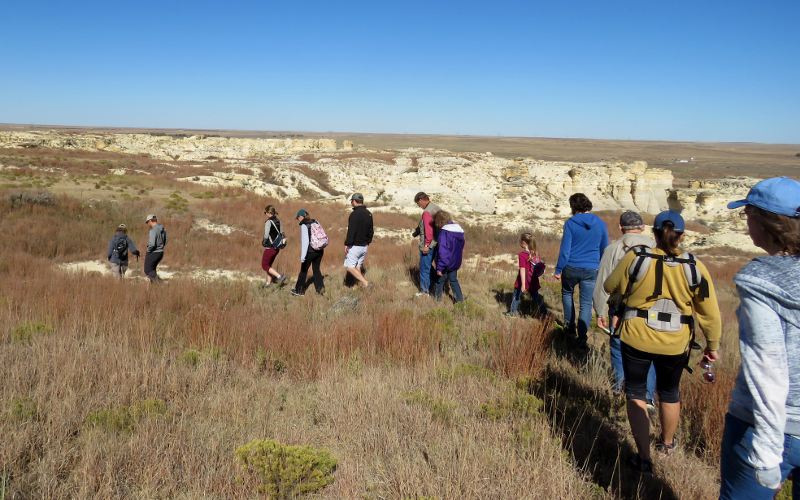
point(611, 257)
point(156, 239)
point(767, 391)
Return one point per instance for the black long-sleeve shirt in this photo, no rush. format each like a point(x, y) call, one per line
point(359, 227)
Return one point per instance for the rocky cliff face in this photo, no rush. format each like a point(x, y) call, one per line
point(479, 187)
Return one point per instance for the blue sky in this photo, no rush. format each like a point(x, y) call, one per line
point(680, 70)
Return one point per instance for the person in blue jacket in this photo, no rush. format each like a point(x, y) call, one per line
point(585, 237)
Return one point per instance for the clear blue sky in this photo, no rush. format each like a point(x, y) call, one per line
point(678, 70)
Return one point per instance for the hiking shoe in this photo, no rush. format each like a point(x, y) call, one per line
point(296, 293)
point(281, 280)
point(642, 466)
point(664, 448)
point(511, 315)
point(422, 294)
point(265, 285)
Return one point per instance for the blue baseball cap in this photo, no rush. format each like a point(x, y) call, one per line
point(779, 195)
point(678, 224)
point(301, 213)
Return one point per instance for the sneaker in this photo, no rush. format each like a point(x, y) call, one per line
point(296, 293)
point(642, 466)
point(664, 448)
point(510, 314)
point(281, 280)
point(265, 285)
point(422, 294)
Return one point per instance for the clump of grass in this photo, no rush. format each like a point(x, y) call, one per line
point(125, 418)
point(465, 370)
point(286, 471)
point(269, 361)
point(23, 409)
point(470, 310)
point(193, 357)
point(26, 332)
point(516, 404)
point(177, 203)
point(441, 409)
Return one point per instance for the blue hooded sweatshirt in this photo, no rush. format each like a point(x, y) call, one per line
point(585, 238)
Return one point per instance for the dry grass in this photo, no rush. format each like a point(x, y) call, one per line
point(413, 398)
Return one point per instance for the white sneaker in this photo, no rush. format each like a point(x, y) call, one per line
point(421, 294)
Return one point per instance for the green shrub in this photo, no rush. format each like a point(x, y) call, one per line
point(516, 404)
point(464, 370)
point(191, 357)
point(440, 319)
point(470, 310)
point(287, 471)
point(25, 333)
point(441, 409)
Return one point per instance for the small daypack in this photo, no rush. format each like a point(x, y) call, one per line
point(317, 236)
point(278, 242)
point(121, 248)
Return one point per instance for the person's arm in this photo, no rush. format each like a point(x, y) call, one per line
point(352, 221)
point(110, 248)
point(151, 239)
point(603, 236)
point(427, 223)
point(522, 276)
point(565, 250)
point(600, 297)
point(765, 371)
point(132, 247)
point(304, 241)
point(443, 253)
point(707, 313)
point(370, 228)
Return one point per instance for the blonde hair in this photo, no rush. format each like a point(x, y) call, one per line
point(527, 238)
point(441, 219)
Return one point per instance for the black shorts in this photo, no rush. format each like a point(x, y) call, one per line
point(669, 368)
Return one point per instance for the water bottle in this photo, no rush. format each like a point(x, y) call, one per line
point(708, 370)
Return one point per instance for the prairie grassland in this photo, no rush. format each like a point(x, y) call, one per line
point(120, 389)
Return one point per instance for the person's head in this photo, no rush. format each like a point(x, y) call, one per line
point(357, 199)
point(422, 200)
point(631, 222)
point(441, 219)
point(772, 209)
point(270, 211)
point(122, 228)
point(151, 220)
point(579, 203)
point(301, 215)
point(668, 229)
point(527, 242)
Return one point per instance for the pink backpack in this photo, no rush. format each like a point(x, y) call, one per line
point(319, 239)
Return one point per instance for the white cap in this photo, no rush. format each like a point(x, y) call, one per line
point(151, 217)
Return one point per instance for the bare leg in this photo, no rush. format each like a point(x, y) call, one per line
point(670, 416)
point(356, 272)
point(640, 426)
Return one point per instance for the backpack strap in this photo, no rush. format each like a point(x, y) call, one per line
point(638, 269)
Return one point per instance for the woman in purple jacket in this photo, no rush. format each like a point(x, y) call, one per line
point(449, 252)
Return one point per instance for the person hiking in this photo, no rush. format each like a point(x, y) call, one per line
point(359, 236)
point(427, 242)
point(156, 241)
point(312, 249)
point(663, 290)
point(449, 254)
point(761, 441)
point(631, 225)
point(274, 241)
point(585, 237)
point(530, 267)
point(119, 247)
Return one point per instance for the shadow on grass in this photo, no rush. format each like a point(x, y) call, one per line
point(529, 307)
point(580, 415)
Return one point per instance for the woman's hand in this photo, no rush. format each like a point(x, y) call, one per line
point(712, 356)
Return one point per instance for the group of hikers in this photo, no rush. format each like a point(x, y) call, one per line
point(649, 296)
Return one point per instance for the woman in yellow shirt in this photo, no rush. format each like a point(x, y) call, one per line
point(666, 293)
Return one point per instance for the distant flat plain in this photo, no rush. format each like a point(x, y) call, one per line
point(710, 159)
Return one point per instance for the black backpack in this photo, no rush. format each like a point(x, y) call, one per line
point(121, 247)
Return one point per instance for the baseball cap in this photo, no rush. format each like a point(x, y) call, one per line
point(122, 227)
point(630, 220)
point(670, 216)
point(301, 213)
point(779, 195)
point(358, 197)
point(151, 217)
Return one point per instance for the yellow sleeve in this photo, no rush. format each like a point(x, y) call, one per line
point(707, 311)
point(617, 282)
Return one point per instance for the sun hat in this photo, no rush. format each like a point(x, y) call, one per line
point(778, 195)
point(301, 213)
point(630, 220)
point(672, 216)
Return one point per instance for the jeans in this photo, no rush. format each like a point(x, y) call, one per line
point(151, 261)
point(738, 476)
point(455, 287)
point(619, 374)
point(516, 300)
point(313, 259)
point(585, 279)
point(425, 263)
